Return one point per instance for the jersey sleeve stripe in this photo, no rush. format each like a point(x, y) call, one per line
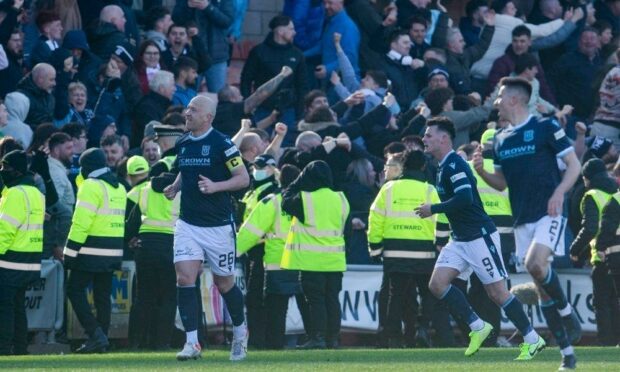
point(462, 187)
point(565, 151)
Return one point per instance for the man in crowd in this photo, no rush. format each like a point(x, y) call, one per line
point(50, 28)
point(215, 19)
point(109, 32)
point(266, 61)
point(185, 73)
point(39, 86)
point(153, 106)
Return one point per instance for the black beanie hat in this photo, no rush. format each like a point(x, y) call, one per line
point(592, 168)
point(91, 160)
point(17, 160)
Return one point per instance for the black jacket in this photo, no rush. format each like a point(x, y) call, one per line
point(197, 51)
point(266, 61)
point(11, 75)
point(41, 103)
point(153, 106)
point(103, 39)
point(314, 176)
point(406, 82)
point(213, 23)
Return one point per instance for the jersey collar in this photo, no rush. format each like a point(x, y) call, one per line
point(446, 157)
point(201, 136)
point(514, 127)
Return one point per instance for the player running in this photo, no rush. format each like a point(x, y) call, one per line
point(210, 166)
point(525, 158)
point(475, 244)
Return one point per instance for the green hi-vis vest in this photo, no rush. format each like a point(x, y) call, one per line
point(98, 227)
point(317, 244)
point(159, 214)
point(267, 220)
point(496, 203)
point(600, 199)
point(393, 222)
point(250, 199)
point(22, 211)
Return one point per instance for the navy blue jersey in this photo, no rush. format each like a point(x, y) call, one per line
point(527, 155)
point(212, 155)
point(470, 222)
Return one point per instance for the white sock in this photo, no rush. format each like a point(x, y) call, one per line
point(567, 351)
point(191, 337)
point(565, 311)
point(531, 337)
point(476, 325)
point(240, 331)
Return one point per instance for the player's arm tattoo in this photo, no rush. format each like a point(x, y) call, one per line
point(262, 93)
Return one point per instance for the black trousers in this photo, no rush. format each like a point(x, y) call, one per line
point(13, 322)
point(410, 309)
point(484, 307)
point(321, 290)
point(102, 290)
point(605, 306)
point(254, 301)
point(276, 306)
point(156, 290)
point(403, 287)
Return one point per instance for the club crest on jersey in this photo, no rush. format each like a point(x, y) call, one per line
point(205, 150)
point(452, 165)
point(528, 135)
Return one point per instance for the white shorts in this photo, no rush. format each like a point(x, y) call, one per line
point(482, 255)
point(547, 231)
point(213, 244)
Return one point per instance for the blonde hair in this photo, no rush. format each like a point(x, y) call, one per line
point(76, 86)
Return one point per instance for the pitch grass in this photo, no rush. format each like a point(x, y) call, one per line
point(350, 360)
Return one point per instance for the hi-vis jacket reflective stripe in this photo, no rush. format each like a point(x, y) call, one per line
point(318, 243)
point(496, 203)
point(396, 231)
point(267, 220)
point(601, 199)
point(98, 226)
point(134, 193)
point(159, 215)
point(22, 210)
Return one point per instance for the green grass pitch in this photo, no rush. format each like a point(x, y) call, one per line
point(350, 360)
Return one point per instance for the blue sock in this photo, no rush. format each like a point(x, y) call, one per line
point(514, 311)
point(234, 304)
point(554, 322)
point(188, 307)
point(552, 286)
point(458, 305)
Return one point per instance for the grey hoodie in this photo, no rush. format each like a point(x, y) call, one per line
point(159, 38)
point(18, 105)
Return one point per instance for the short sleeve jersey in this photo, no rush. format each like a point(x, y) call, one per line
point(527, 156)
point(467, 223)
point(214, 156)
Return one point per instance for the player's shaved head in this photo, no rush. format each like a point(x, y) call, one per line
point(206, 104)
point(199, 114)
